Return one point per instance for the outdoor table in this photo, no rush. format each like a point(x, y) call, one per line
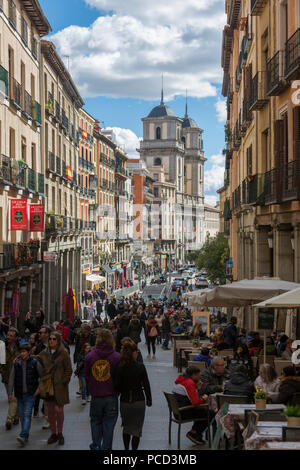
point(175, 338)
point(281, 446)
point(266, 432)
point(236, 414)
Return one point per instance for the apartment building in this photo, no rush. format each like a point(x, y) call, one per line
point(22, 24)
point(211, 221)
point(65, 226)
point(261, 68)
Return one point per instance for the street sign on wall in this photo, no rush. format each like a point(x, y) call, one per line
point(50, 256)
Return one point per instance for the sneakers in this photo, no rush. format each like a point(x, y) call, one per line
point(22, 441)
point(83, 402)
point(46, 426)
point(8, 425)
point(61, 439)
point(52, 439)
point(88, 399)
point(195, 438)
point(78, 393)
point(16, 421)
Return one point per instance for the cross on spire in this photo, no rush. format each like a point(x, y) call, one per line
point(186, 106)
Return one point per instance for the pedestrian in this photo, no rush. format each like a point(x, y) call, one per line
point(152, 330)
point(132, 383)
point(43, 343)
point(99, 370)
point(79, 372)
point(123, 329)
point(230, 333)
point(11, 353)
point(24, 382)
point(54, 387)
point(166, 330)
point(134, 329)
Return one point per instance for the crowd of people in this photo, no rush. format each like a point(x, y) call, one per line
point(36, 368)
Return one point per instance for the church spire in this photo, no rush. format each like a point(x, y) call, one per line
point(186, 106)
point(162, 90)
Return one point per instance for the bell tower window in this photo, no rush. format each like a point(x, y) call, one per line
point(158, 133)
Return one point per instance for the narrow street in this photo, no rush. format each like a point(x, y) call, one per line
point(77, 427)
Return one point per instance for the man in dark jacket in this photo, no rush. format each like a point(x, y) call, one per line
point(24, 381)
point(290, 384)
point(213, 378)
point(239, 383)
point(111, 310)
point(12, 352)
point(99, 370)
point(86, 336)
point(166, 330)
point(230, 333)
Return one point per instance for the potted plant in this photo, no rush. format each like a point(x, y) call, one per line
point(260, 399)
point(293, 415)
point(195, 342)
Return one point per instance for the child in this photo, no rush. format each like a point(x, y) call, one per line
point(80, 373)
point(25, 391)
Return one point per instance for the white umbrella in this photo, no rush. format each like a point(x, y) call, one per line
point(289, 299)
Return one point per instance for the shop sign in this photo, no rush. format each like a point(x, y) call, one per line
point(37, 218)
point(18, 214)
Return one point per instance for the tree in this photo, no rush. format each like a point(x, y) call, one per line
point(212, 256)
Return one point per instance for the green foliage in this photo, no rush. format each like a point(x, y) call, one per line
point(292, 411)
point(261, 395)
point(212, 257)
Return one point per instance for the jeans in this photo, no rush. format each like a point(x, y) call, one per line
point(166, 340)
point(104, 415)
point(151, 342)
point(25, 406)
point(83, 387)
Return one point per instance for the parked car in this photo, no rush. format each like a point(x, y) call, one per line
point(201, 283)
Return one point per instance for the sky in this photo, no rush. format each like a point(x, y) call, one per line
point(118, 50)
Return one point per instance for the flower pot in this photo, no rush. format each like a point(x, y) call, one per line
point(260, 404)
point(293, 420)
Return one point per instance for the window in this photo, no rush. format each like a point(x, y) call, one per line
point(24, 31)
point(157, 162)
point(12, 14)
point(158, 133)
point(33, 45)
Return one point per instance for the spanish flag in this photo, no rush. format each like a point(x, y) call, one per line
point(74, 298)
point(69, 173)
point(84, 134)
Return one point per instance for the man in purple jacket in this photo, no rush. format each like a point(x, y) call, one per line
point(99, 370)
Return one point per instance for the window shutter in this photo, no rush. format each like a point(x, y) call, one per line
point(278, 155)
point(296, 124)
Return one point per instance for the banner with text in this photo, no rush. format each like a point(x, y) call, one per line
point(37, 218)
point(18, 214)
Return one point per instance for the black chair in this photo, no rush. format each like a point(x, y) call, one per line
point(291, 433)
point(266, 415)
point(175, 416)
point(232, 399)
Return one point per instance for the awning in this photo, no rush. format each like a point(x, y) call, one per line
point(290, 299)
point(242, 293)
point(120, 270)
point(95, 278)
point(107, 269)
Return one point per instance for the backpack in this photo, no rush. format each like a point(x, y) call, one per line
point(153, 332)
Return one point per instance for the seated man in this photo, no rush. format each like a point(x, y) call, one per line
point(239, 383)
point(213, 378)
point(203, 356)
point(186, 393)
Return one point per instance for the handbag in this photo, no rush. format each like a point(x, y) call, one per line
point(46, 385)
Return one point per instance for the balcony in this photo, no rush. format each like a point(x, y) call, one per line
point(271, 187)
point(276, 83)
point(291, 181)
point(258, 95)
point(16, 255)
point(36, 113)
point(253, 190)
point(234, 13)
point(227, 210)
point(121, 171)
point(57, 112)
point(4, 81)
point(41, 184)
point(64, 122)
point(236, 199)
point(54, 224)
point(51, 162)
point(15, 93)
point(292, 51)
point(237, 138)
point(247, 114)
point(257, 7)
point(58, 166)
point(27, 105)
point(31, 180)
point(49, 108)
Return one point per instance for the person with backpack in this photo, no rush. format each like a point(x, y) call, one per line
point(79, 372)
point(24, 382)
point(152, 331)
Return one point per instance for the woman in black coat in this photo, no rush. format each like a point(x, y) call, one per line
point(131, 380)
point(239, 383)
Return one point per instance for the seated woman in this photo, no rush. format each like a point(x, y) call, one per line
point(239, 383)
point(203, 356)
point(186, 393)
point(287, 354)
point(241, 357)
point(268, 381)
point(289, 384)
point(219, 343)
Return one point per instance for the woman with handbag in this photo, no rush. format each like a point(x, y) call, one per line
point(54, 386)
point(131, 380)
point(152, 331)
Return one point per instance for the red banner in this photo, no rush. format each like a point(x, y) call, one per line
point(37, 217)
point(18, 214)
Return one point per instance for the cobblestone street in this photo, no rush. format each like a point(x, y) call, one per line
point(77, 427)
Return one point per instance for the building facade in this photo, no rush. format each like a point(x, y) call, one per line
point(211, 221)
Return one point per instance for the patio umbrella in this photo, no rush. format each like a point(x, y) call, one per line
point(68, 305)
point(241, 293)
point(290, 299)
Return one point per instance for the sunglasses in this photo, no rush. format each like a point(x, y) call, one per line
point(52, 339)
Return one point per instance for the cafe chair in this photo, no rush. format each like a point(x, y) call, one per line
point(175, 416)
point(200, 365)
point(280, 364)
point(226, 353)
point(291, 433)
point(266, 415)
point(231, 399)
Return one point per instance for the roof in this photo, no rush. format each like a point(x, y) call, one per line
point(189, 122)
point(211, 208)
point(37, 16)
point(161, 111)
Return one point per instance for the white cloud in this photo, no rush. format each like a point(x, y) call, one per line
point(214, 177)
point(127, 140)
point(211, 199)
point(124, 53)
point(221, 110)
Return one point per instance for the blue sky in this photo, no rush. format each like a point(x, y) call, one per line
point(125, 91)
